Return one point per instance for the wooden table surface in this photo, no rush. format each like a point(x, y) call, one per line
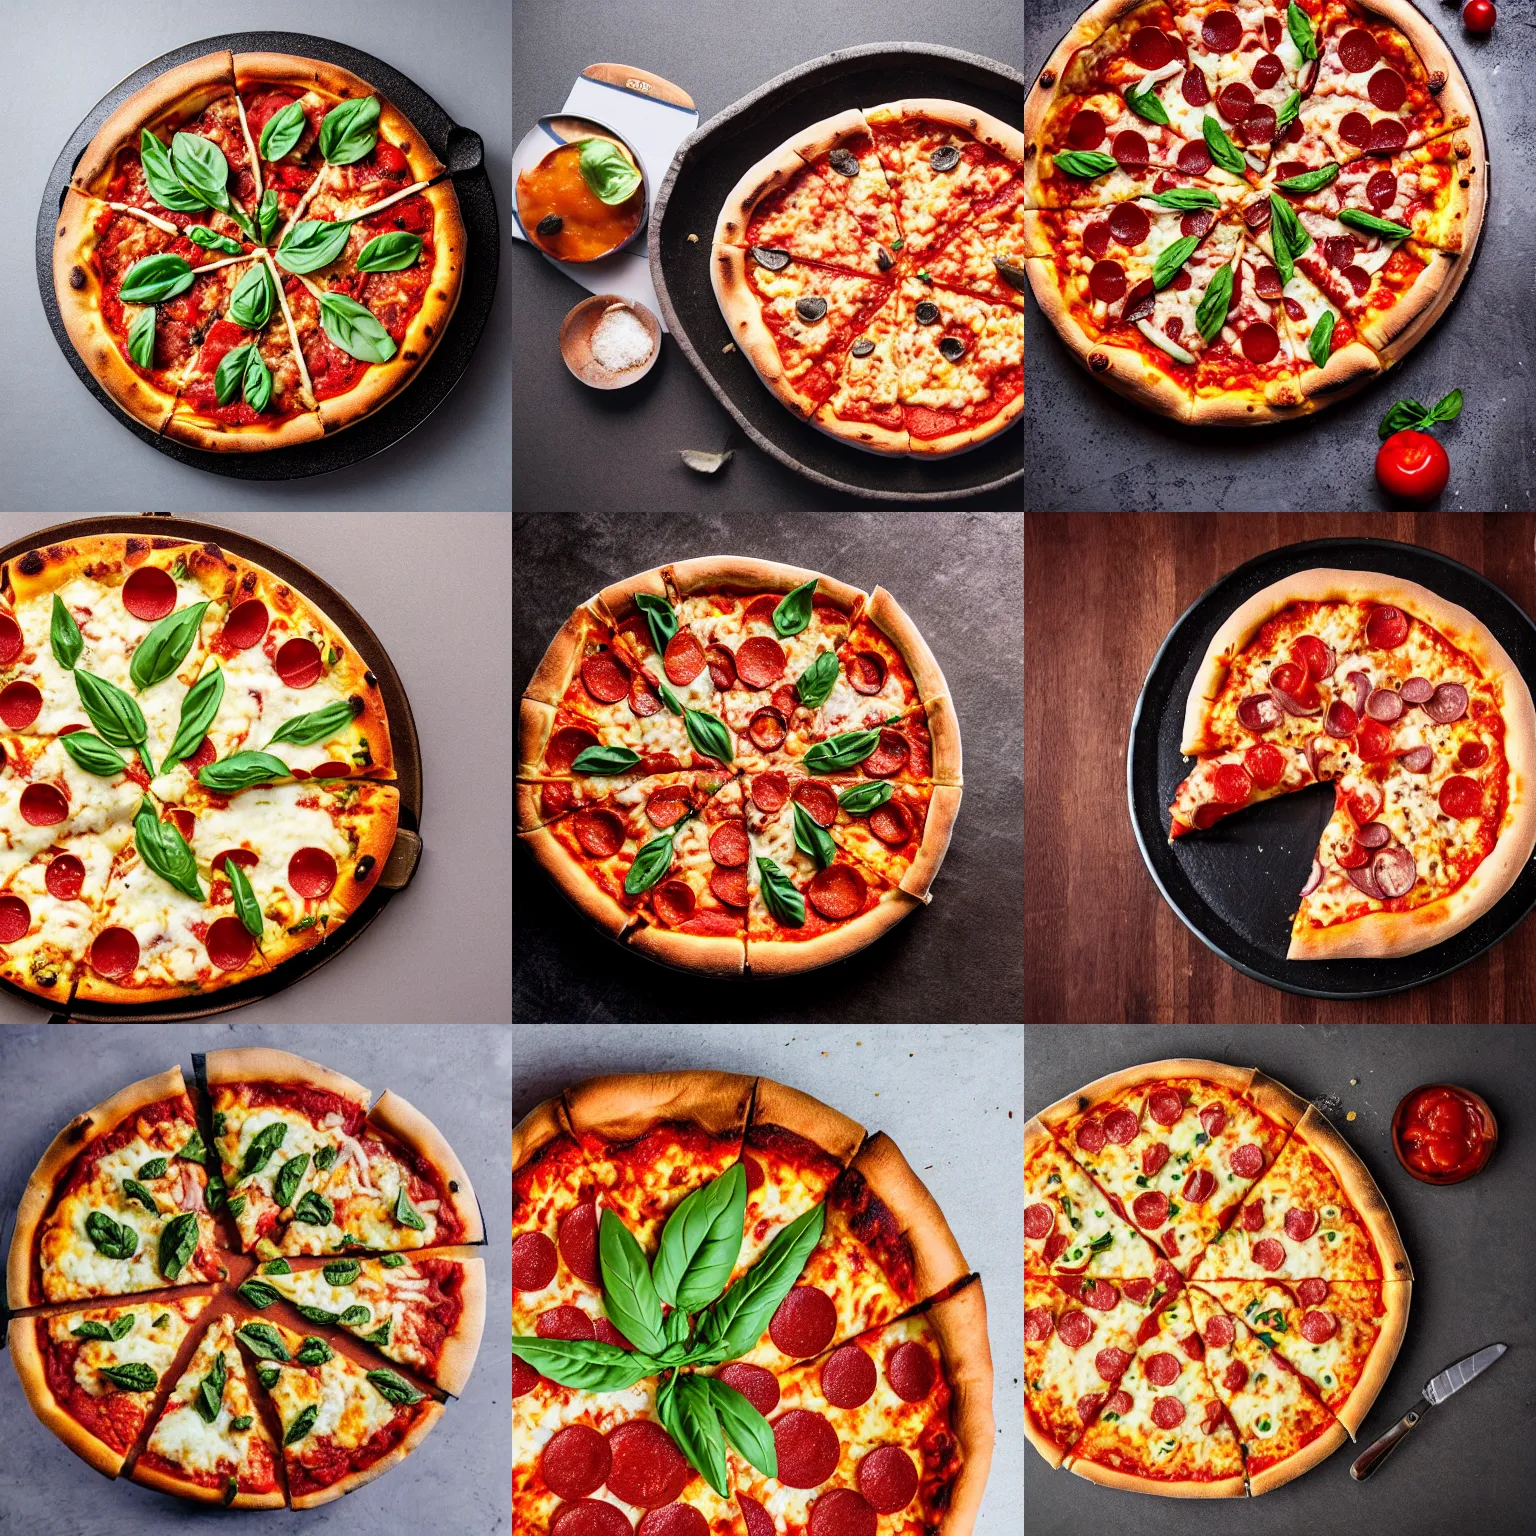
point(1101, 592)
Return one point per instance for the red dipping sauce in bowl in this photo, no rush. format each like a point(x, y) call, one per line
point(1443, 1134)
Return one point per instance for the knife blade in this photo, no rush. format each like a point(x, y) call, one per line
point(1436, 1390)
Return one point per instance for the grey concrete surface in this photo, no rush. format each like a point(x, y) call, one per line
point(960, 578)
point(1467, 1466)
point(458, 1480)
point(63, 449)
point(1483, 346)
point(434, 589)
point(948, 1096)
point(617, 450)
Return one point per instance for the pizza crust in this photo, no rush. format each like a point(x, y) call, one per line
point(943, 808)
point(424, 1424)
point(1395, 1297)
point(1130, 1482)
point(1379, 331)
point(183, 1488)
point(938, 1261)
point(774, 1104)
point(707, 954)
point(215, 437)
point(462, 1346)
point(263, 1064)
point(27, 1356)
point(960, 1324)
point(738, 303)
point(982, 126)
point(1304, 1460)
point(403, 1121)
point(1055, 1118)
point(1318, 1133)
point(576, 885)
point(543, 1124)
point(890, 618)
point(754, 575)
point(623, 1108)
point(761, 181)
point(535, 725)
point(788, 957)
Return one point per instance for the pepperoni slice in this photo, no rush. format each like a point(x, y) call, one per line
point(1111, 1364)
point(1312, 1292)
point(1096, 239)
point(20, 704)
point(598, 830)
point(248, 860)
point(1356, 128)
point(183, 821)
point(1235, 1377)
point(1130, 151)
point(1150, 1210)
point(729, 886)
point(887, 1478)
point(1231, 785)
point(1221, 32)
point(1267, 70)
point(1381, 190)
point(770, 791)
point(1166, 1105)
point(1269, 1253)
point(668, 805)
point(807, 1445)
point(1214, 1118)
point(149, 593)
point(534, 1261)
point(1106, 282)
point(1120, 1126)
point(1129, 224)
point(1199, 1186)
point(1055, 1245)
point(229, 944)
point(1319, 1327)
point(1247, 1161)
point(1091, 1137)
point(1197, 92)
point(576, 1462)
point(804, 1324)
point(65, 877)
point(1086, 131)
point(1196, 224)
point(1387, 90)
point(246, 625)
point(1473, 754)
point(1260, 126)
point(1075, 1328)
point(842, 1512)
point(1153, 1158)
point(1039, 1325)
point(673, 1520)
point(1167, 1412)
point(759, 1521)
point(1120, 1403)
point(524, 1380)
point(44, 805)
point(648, 1470)
point(1252, 1217)
point(1162, 1369)
point(605, 1333)
point(1039, 1221)
point(1460, 797)
point(15, 919)
point(893, 824)
point(1267, 284)
point(819, 801)
point(569, 1323)
point(1220, 1331)
point(1098, 1294)
point(768, 729)
point(643, 699)
point(11, 640)
point(298, 662)
point(760, 1387)
point(578, 1241)
point(590, 1517)
point(1388, 135)
point(722, 666)
point(728, 845)
point(684, 658)
point(1300, 1224)
point(312, 871)
point(866, 672)
point(673, 902)
point(889, 757)
point(1152, 48)
point(1195, 157)
point(849, 1378)
point(761, 609)
point(1358, 51)
point(1235, 102)
point(837, 892)
point(605, 677)
point(759, 662)
point(1261, 343)
point(911, 1371)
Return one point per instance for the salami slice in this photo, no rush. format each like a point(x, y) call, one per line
point(599, 831)
point(1120, 1125)
point(1235, 1377)
point(578, 1241)
point(805, 1322)
point(1162, 1369)
point(1165, 1105)
point(760, 1387)
point(865, 671)
point(1214, 1118)
point(1168, 1412)
point(1199, 1186)
point(819, 800)
point(1039, 1221)
point(1311, 1292)
point(1220, 1331)
point(1153, 1158)
point(770, 791)
point(673, 902)
point(588, 1517)
point(729, 886)
point(668, 805)
point(534, 1261)
point(1251, 1218)
point(892, 823)
point(568, 1323)
point(1150, 1210)
point(576, 1462)
point(644, 700)
point(768, 729)
point(889, 757)
point(722, 666)
point(1098, 1294)
point(1091, 1137)
point(1111, 1364)
point(1269, 1253)
point(808, 1449)
point(683, 659)
point(1075, 1328)
point(1319, 1327)
point(605, 677)
point(887, 1477)
point(648, 1469)
point(842, 1512)
point(911, 1371)
point(1039, 1325)
point(1300, 1224)
point(1247, 1161)
point(837, 892)
point(728, 845)
point(759, 662)
point(566, 745)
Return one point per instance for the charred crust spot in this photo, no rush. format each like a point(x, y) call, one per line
point(1029, 151)
point(1098, 362)
point(32, 563)
point(214, 550)
point(77, 278)
point(355, 703)
point(411, 357)
point(1436, 82)
point(370, 679)
point(453, 1186)
point(365, 867)
point(165, 541)
point(1047, 79)
point(136, 546)
point(248, 582)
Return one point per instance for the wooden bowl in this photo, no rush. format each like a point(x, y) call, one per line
point(576, 341)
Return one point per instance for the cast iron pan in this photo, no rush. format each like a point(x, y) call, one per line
point(711, 161)
point(1236, 885)
point(458, 148)
point(401, 864)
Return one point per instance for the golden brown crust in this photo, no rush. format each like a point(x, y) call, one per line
point(743, 314)
point(788, 957)
point(215, 437)
point(624, 1107)
point(425, 1422)
point(942, 810)
point(542, 1124)
point(819, 139)
point(1346, 369)
point(760, 181)
point(616, 602)
point(301, 73)
point(535, 725)
point(748, 573)
point(457, 1359)
point(98, 989)
point(575, 883)
point(1318, 1133)
point(944, 734)
point(1383, 329)
point(1130, 1482)
point(991, 131)
point(890, 618)
point(562, 660)
point(1396, 1296)
point(402, 1120)
point(939, 1262)
point(960, 1324)
point(791, 1110)
point(967, 438)
point(1055, 1118)
point(185, 1488)
point(263, 1064)
point(708, 954)
point(1276, 1100)
point(1304, 1460)
point(27, 1355)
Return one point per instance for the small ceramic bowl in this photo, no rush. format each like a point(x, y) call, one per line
point(576, 341)
point(561, 131)
point(1481, 1118)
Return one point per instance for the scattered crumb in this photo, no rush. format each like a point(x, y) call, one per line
point(1350, 1115)
point(730, 346)
point(1354, 1082)
point(693, 239)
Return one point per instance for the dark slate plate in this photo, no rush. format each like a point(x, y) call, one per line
point(458, 148)
point(1236, 885)
point(711, 161)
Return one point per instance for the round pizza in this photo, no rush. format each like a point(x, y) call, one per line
point(736, 1313)
point(193, 779)
point(255, 250)
point(872, 270)
point(1234, 213)
point(732, 765)
point(1214, 1288)
point(1409, 705)
point(156, 1232)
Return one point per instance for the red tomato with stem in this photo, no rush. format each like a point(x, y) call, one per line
point(1413, 466)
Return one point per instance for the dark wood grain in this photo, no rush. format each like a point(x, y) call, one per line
point(1101, 591)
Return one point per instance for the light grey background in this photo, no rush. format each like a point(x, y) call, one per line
point(459, 1479)
point(434, 588)
point(63, 449)
point(950, 1096)
point(1467, 1467)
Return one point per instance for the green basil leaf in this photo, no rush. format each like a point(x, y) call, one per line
point(108, 1333)
point(350, 131)
point(1287, 226)
point(670, 699)
point(659, 617)
point(651, 863)
point(1320, 342)
point(134, 1376)
point(1146, 104)
point(247, 228)
point(260, 1294)
point(864, 798)
point(286, 1185)
point(165, 851)
point(1311, 181)
point(393, 1261)
point(407, 1214)
point(112, 1240)
point(1290, 109)
point(165, 186)
point(392, 252)
point(64, 636)
point(306, 730)
point(708, 735)
point(1223, 151)
point(701, 1243)
point(277, 1267)
point(838, 753)
point(1212, 313)
point(303, 1422)
point(584, 1364)
point(608, 171)
point(155, 279)
point(229, 376)
point(197, 711)
point(794, 611)
point(815, 684)
point(165, 647)
point(605, 760)
point(268, 1375)
point(238, 1425)
point(628, 1291)
point(141, 342)
point(242, 770)
point(354, 328)
point(254, 298)
point(1171, 259)
point(178, 1242)
point(785, 904)
point(136, 1191)
point(1299, 25)
point(734, 1323)
point(313, 1351)
point(1185, 199)
point(311, 245)
point(282, 131)
point(1449, 408)
point(1405, 416)
point(94, 755)
point(342, 1272)
point(380, 1335)
point(394, 1388)
point(314, 1210)
point(355, 1317)
point(1279, 237)
point(247, 908)
point(812, 839)
point(200, 166)
point(325, 1157)
point(212, 240)
point(1083, 164)
point(209, 1397)
point(744, 1426)
point(316, 1314)
point(193, 1150)
point(263, 1144)
point(257, 381)
point(267, 215)
point(155, 1168)
point(688, 1414)
point(1371, 224)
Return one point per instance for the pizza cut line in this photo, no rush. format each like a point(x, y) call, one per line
point(1414, 712)
point(1235, 214)
point(160, 1342)
point(1215, 1290)
point(255, 250)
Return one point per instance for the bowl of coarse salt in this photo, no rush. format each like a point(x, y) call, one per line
point(609, 342)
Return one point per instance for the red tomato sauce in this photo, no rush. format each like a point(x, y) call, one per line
point(1443, 1134)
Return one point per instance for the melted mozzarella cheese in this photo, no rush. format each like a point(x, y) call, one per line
point(153, 1340)
point(388, 1295)
point(185, 1438)
point(351, 1409)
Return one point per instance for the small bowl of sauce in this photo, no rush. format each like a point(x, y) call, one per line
point(1443, 1134)
point(584, 200)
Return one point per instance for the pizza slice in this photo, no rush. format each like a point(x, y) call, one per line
point(399, 164)
point(342, 1425)
point(210, 1443)
point(426, 1312)
point(865, 406)
point(1164, 1421)
point(91, 1375)
point(985, 256)
point(1285, 1430)
point(1226, 782)
point(842, 149)
point(117, 1203)
point(46, 794)
point(1326, 1331)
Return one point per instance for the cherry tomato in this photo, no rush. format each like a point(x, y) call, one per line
point(1412, 466)
point(1479, 16)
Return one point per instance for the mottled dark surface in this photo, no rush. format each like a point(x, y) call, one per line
point(1467, 1465)
point(959, 576)
point(1091, 451)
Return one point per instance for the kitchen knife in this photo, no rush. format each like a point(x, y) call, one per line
point(1436, 1391)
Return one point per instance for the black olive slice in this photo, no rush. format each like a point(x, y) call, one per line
point(927, 313)
point(883, 259)
point(550, 224)
point(1010, 274)
point(811, 308)
point(952, 348)
point(770, 256)
point(945, 158)
point(844, 162)
point(863, 347)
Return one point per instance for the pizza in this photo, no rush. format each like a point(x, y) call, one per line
point(195, 778)
point(1215, 1290)
point(827, 1364)
point(163, 1338)
point(256, 250)
point(733, 765)
point(871, 269)
point(1235, 213)
point(1414, 712)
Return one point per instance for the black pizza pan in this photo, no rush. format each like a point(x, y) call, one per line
point(460, 149)
point(1236, 886)
point(403, 859)
point(711, 161)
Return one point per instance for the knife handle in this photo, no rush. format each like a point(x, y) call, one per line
point(1373, 1456)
